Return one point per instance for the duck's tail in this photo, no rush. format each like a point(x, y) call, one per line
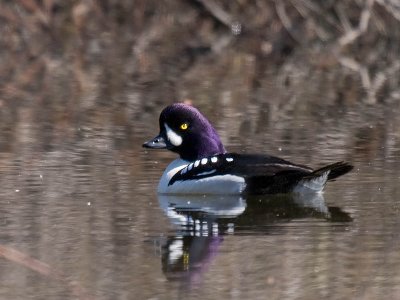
point(316, 180)
point(335, 170)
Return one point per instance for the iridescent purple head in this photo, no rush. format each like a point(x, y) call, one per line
point(184, 130)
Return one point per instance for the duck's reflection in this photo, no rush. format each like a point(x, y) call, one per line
point(202, 222)
point(195, 215)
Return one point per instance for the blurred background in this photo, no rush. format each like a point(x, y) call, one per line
point(66, 64)
point(82, 84)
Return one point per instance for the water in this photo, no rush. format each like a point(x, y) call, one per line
point(80, 217)
point(81, 86)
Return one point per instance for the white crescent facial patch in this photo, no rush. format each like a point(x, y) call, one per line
point(172, 136)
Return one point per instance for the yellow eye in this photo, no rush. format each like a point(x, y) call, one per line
point(184, 126)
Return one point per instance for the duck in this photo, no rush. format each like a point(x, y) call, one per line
point(205, 167)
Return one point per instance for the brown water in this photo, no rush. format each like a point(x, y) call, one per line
point(79, 204)
point(81, 86)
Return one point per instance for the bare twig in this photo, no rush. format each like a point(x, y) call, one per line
point(371, 86)
point(392, 7)
point(344, 20)
point(285, 20)
point(305, 9)
point(352, 34)
point(217, 12)
point(44, 269)
point(312, 7)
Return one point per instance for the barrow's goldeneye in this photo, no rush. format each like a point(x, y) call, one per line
point(205, 167)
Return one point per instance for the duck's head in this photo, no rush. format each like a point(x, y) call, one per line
point(184, 130)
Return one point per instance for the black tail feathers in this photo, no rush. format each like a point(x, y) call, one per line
point(335, 170)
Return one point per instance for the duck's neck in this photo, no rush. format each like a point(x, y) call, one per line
point(203, 147)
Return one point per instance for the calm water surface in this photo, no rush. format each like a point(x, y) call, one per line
point(80, 217)
point(82, 84)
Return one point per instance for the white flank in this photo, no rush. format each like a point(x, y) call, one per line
point(172, 136)
point(219, 184)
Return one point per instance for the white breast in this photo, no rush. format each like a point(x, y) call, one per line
point(220, 184)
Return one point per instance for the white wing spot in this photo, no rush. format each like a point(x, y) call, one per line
point(204, 161)
point(229, 159)
point(190, 167)
point(214, 159)
point(196, 163)
point(184, 170)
